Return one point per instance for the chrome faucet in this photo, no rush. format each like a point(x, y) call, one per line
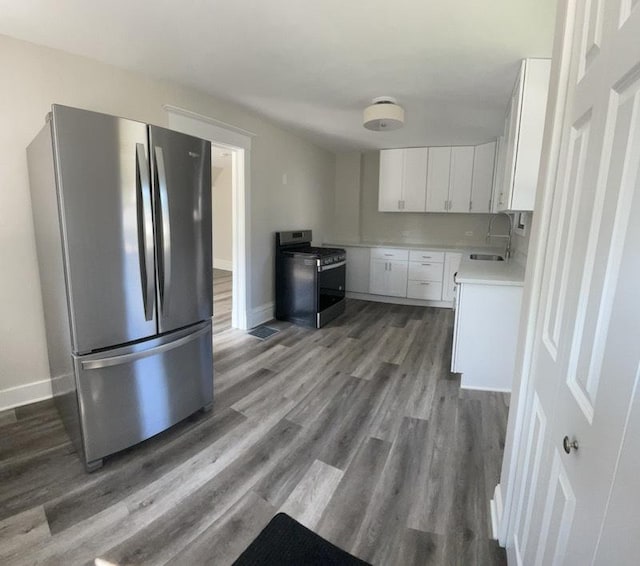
point(507, 251)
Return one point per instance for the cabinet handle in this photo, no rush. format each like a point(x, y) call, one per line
point(470, 206)
point(423, 283)
point(426, 257)
point(446, 204)
point(388, 255)
point(425, 264)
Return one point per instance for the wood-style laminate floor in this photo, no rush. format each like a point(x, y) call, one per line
point(358, 430)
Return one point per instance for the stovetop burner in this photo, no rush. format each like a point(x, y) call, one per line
point(319, 252)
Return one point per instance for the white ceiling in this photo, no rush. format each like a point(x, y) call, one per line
point(313, 65)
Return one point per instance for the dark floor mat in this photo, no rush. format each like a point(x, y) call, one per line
point(263, 332)
point(285, 542)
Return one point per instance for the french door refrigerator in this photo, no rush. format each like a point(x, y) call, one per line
point(122, 214)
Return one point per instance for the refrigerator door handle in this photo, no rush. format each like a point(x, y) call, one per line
point(135, 356)
point(145, 229)
point(166, 227)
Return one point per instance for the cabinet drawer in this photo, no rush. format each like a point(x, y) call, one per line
point(426, 290)
point(425, 271)
point(420, 255)
point(389, 253)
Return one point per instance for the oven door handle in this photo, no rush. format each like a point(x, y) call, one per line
point(331, 266)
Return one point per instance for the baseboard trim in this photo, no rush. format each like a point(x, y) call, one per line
point(496, 512)
point(398, 300)
point(223, 264)
point(261, 314)
point(492, 389)
point(25, 394)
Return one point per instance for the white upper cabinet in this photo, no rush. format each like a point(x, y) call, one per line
point(498, 197)
point(403, 180)
point(449, 176)
point(524, 126)
point(460, 177)
point(414, 180)
point(391, 172)
point(482, 183)
point(438, 179)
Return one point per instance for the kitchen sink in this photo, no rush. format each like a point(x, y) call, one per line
point(487, 257)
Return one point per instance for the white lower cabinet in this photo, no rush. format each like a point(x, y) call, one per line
point(485, 335)
point(451, 266)
point(358, 258)
point(425, 290)
point(425, 275)
point(388, 277)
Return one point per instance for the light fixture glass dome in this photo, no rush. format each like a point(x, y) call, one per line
point(383, 114)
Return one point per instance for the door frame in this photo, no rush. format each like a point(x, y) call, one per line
point(505, 500)
point(239, 140)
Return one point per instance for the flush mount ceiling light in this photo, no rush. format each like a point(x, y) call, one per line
point(383, 114)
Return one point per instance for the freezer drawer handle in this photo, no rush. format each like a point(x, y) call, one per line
point(145, 230)
point(166, 229)
point(135, 356)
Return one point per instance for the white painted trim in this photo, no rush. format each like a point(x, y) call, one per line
point(513, 554)
point(398, 300)
point(223, 264)
point(209, 120)
point(262, 314)
point(239, 141)
point(496, 511)
point(493, 389)
point(25, 394)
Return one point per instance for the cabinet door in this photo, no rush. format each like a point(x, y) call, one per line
point(497, 199)
point(439, 163)
point(414, 180)
point(451, 266)
point(378, 276)
point(357, 280)
point(511, 139)
point(460, 178)
point(397, 278)
point(482, 182)
point(424, 290)
point(530, 131)
point(390, 180)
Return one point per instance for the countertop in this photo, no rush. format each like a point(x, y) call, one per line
point(435, 247)
point(482, 272)
point(479, 272)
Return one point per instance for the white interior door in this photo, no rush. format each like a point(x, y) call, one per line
point(585, 367)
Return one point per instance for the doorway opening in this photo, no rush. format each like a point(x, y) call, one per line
point(236, 142)
point(223, 183)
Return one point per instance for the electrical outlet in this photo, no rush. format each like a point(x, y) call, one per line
point(468, 233)
point(284, 179)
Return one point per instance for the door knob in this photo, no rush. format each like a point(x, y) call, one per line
point(569, 444)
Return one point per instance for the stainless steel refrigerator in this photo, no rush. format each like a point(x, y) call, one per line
point(122, 214)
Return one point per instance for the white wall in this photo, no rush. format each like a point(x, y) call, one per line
point(222, 202)
point(346, 213)
point(34, 77)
